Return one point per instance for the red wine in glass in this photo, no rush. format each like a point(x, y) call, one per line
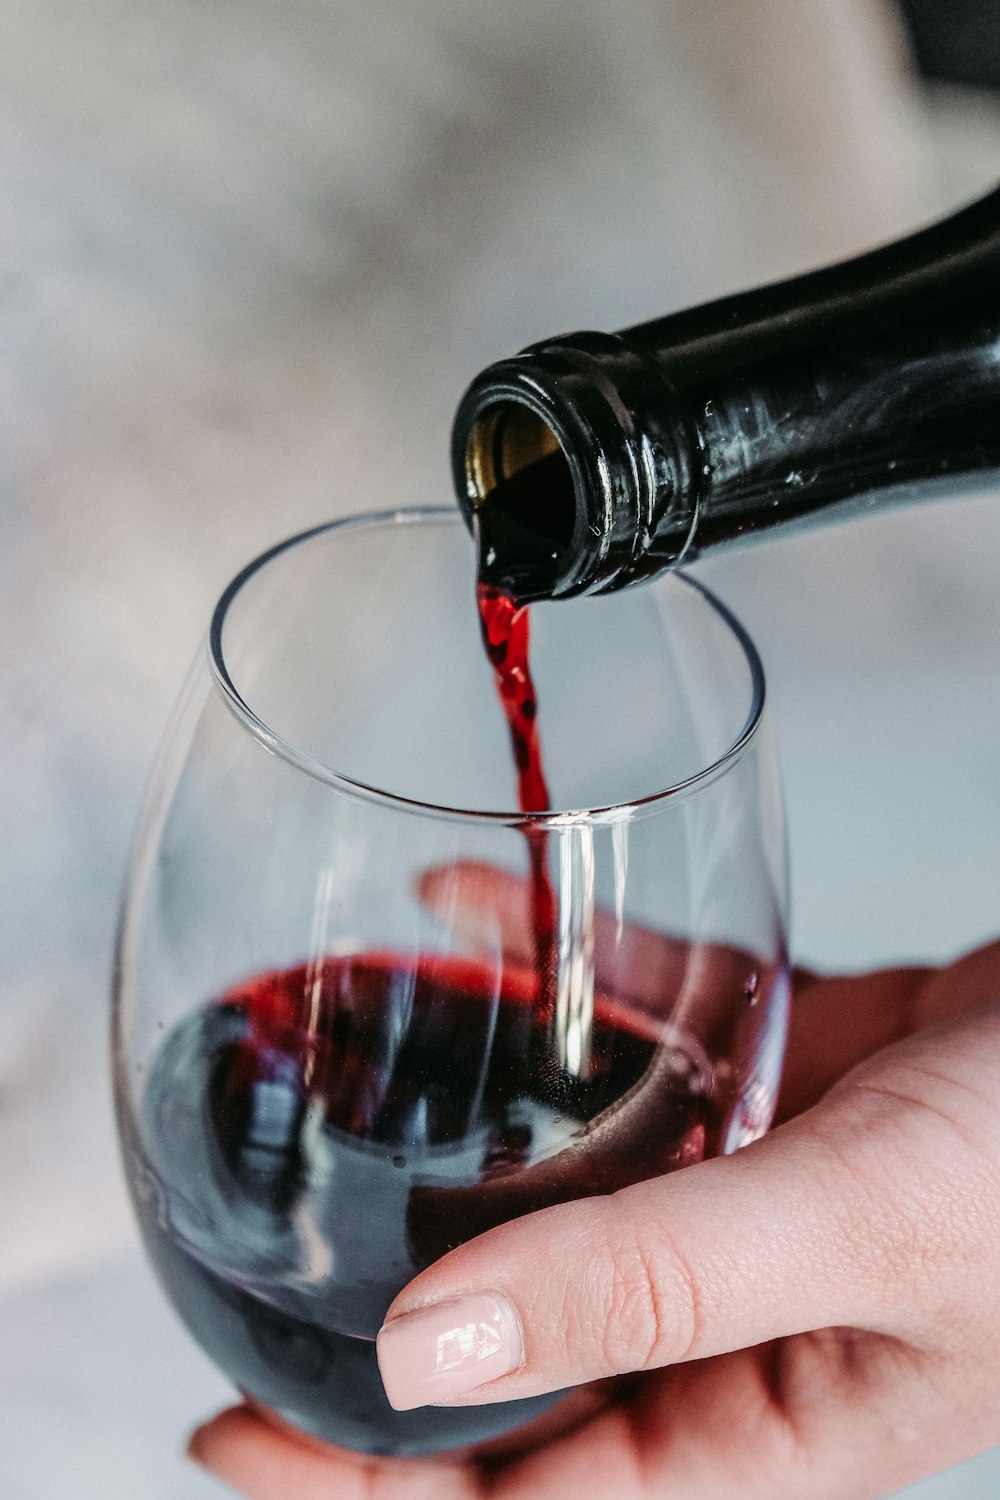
point(318, 1135)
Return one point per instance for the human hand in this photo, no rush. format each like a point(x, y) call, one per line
point(813, 1316)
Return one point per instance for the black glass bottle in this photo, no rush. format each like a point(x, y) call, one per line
point(594, 460)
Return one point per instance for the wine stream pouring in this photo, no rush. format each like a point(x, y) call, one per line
point(594, 460)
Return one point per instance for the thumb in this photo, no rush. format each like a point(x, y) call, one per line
point(771, 1241)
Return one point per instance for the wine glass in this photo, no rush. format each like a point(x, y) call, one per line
point(335, 1055)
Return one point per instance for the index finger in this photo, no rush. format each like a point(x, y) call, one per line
point(489, 908)
point(836, 1022)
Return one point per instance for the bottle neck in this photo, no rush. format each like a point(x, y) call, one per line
point(594, 460)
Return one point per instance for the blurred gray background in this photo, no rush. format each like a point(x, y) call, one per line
point(249, 255)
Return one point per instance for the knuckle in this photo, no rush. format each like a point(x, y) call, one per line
point(651, 1311)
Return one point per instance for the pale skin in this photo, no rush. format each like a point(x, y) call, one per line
point(817, 1315)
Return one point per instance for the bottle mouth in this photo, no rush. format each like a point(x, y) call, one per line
point(522, 495)
point(571, 459)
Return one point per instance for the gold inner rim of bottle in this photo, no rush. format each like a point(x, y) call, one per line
point(506, 439)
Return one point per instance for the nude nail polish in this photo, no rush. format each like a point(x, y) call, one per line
point(439, 1352)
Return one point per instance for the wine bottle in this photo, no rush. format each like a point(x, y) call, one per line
point(594, 460)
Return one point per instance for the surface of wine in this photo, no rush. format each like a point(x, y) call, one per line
point(316, 1136)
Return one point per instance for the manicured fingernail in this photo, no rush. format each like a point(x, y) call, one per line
point(430, 1356)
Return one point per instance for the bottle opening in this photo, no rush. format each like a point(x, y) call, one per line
point(520, 486)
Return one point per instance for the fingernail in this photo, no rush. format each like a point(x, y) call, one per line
point(430, 1356)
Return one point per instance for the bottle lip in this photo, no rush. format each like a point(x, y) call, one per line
point(623, 432)
point(357, 790)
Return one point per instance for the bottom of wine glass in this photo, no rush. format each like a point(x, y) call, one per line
point(312, 1379)
point(318, 1382)
point(371, 1426)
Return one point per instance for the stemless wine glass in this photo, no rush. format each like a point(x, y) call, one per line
point(335, 1056)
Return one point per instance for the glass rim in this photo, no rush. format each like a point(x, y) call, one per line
point(349, 786)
